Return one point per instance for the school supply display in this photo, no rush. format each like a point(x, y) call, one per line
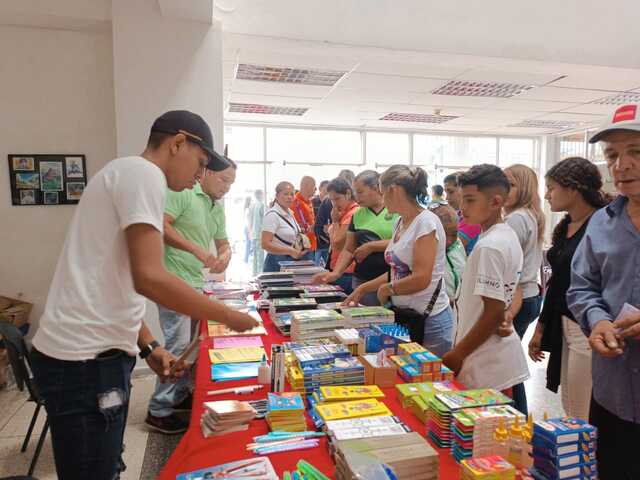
point(370, 407)
point(279, 305)
point(225, 416)
point(564, 448)
point(487, 468)
point(255, 468)
point(285, 412)
point(236, 355)
point(409, 456)
point(304, 274)
point(355, 317)
point(443, 405)
point(236, 342)
point(311, 324)
point(226, 290)
point(234, 371)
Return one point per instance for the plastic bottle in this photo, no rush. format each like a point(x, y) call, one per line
point(500, 440)
point(527, 450)
point(264, 372)
point(515, 444)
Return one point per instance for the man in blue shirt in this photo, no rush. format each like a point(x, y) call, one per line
point(605, 277)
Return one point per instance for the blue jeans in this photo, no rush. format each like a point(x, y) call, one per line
point(321, 256)
point(529, 311)
point(176, 328)
point(87, 403)
point(438, 332)
point(369, 299)
point(271, 261)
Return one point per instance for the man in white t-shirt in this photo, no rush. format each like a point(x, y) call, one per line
point(92, 326)
point(481, 358)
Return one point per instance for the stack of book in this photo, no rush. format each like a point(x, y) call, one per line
point(216, 329)
point(356, 317)
point(367, 427)
point(339, 371)
point(487, 468)
point(225, 416)
point(236, 355)
point(312, 324)
point(282, 292)
point(421, 367)
point(564, 448)
point(225, 290)
point(325, 287)
point(407, 391)
point(344, 393)
point(316, 355)
point(444, 405)
point(325, 297)
point(285, 412)
point(409, 456)
point(291, 265)
point(274, 279)
point(282, 322)
point(303, 275)
point(473, 429)
point(279, 305)
point(368, 407)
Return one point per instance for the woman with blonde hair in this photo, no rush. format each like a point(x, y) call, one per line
point(523, 213)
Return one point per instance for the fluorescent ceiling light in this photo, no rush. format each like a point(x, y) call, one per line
point(301, 76)
point(619, 99)
point(465, 88)
point(550, 124)
point(266, 109)
point(417, 117)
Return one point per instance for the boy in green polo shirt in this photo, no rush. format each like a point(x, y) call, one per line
point(192, 219)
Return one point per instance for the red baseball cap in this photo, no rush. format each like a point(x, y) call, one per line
point(625, 117)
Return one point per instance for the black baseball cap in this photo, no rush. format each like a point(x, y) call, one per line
point(197, 131)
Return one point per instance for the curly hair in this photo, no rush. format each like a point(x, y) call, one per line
point(578, 174)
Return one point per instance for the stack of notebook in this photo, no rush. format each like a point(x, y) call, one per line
point(473, 429)
point(443, 405)
point(285, 412)
point(282, 292)
point(312, 324)
point(409, 456)
point(274, 279)
point(292, 265)
point(282, 322)
point(303, 276)
point(368, 407)
point(330, 395)
point(325, 297)
point(407, 391)
point(225, 416)
point(367, 427)
point(325, 287)
point(225, 290)
point(279, 305)
point(356, 317)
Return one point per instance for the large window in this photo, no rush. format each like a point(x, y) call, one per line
point(293, 145)
point(453, 152)
point(385, 149)
point(572, 145)
point(245, 144)
point(517, 150)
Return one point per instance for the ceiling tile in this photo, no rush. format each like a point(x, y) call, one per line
point(284, 90)
point(449, 101)
point(558, 94)
point(572, 117)
point(527, 78)
point(288, 59)
point(274, 100)
point(530, 105)
point(369, 95)
point(591, 108)
point(601, 78)
point(424, 70)
point(389, 82)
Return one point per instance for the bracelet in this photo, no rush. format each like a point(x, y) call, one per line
point(391, 289)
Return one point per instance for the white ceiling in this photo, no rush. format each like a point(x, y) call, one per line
point(382, 80)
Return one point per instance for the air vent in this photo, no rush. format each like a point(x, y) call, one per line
point(301, 76)
point(464, 88)
point(417, 117)
point(266, 109)
point(619, 99)
point(548, 124)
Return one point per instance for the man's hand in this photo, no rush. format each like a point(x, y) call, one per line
point(219, 264)
point(453, 361)
point(353, 299)
point(535, 353)
point(604, 340)
point(384, 293)
point(628, 326)
point(506, 327)
point(362, 252)
point(240, 321)
point(160, 361)
point(324, 277)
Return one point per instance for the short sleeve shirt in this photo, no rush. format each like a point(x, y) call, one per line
point(199, 220)
point(369, 226)
point(524, 224)
point(493, 271)
point(282, 224)
point(399, 255)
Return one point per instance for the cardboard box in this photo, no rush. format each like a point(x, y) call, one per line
point(376, 375)
point(15, 311)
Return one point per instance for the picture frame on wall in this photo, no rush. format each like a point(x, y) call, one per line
point(47, 179)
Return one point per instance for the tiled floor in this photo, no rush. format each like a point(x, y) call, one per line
point(15, 414)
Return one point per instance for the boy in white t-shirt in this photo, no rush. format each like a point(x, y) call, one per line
point(481, 357)
point(92, 326)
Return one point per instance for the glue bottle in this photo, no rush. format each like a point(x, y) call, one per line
point(264, 372)
point(527, 450)
point(500, 438)
point(515, 444)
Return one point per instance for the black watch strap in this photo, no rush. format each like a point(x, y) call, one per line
point(146, 351)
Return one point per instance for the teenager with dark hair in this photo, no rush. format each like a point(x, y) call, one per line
point(468, 234)
point(573, 186)
point(416, 257)
point(481, 358)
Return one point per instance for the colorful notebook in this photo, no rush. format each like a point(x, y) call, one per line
point(237, 355)
point(353, 409)
point(234, 371)
point(236, 342)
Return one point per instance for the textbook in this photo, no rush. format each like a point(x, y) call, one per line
point(352, 409)
point(282, 292)
point(285, 412)
point(351, 392)
point(313, 324)
point(236, 355)
point(325, 297)
point(225, 416)
point(322, 288)
point(366, 316)
point(279, 305)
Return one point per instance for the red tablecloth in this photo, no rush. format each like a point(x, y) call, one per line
point(195, 452)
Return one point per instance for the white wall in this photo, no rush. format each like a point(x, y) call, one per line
point(56, 96)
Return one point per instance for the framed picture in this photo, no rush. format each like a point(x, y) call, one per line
point(74, 167)
point(27, 180)
point(74, 190)
point(47, 179)
point(50, 198)
point(51, 176)
point(26, 164)
point(27, 197)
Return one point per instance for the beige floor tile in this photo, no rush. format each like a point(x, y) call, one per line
point(140, 395)
point(10, 402)
point(18, 424)
point(135, 440)
point(14, 462)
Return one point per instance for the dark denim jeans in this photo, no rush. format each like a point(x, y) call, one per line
point(528, 313)
point(87, 403)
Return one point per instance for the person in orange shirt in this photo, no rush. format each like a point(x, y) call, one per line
point(303, 209)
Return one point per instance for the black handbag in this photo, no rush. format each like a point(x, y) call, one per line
point(414, 321)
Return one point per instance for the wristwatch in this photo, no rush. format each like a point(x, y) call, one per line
point(146, 351)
